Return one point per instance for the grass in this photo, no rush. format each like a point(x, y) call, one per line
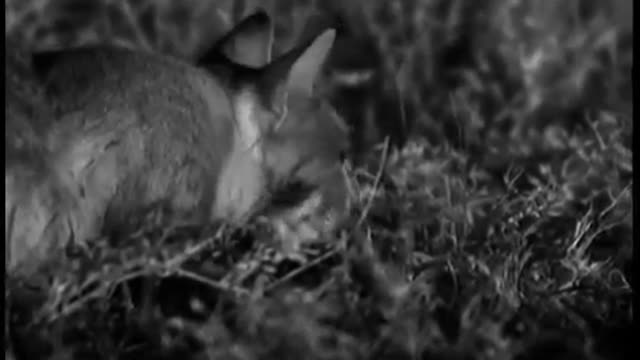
point(501, 230)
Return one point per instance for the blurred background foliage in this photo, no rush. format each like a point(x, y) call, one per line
point(516, 65)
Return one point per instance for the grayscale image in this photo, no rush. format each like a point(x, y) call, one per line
point(318, 179)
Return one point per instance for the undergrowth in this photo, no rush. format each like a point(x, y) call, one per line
point(501, 230)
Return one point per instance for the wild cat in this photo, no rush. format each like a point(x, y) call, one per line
point(130, 130)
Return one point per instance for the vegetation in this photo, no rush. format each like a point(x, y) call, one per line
point(501, 230)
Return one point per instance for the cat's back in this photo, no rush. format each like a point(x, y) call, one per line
point(107, 89)
point(101, 78)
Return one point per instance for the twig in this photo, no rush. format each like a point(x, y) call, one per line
point(300, 270)
point(211, 283)
point(376, 183)
point(614, 202)
point(126, 274)
point(75, 305)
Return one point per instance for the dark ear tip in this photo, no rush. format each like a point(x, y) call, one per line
point(260, 17)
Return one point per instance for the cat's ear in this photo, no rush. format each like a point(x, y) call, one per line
point(249, 43)
point(299, 69)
